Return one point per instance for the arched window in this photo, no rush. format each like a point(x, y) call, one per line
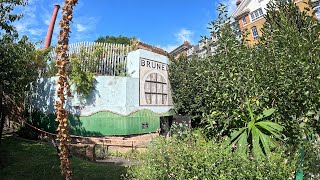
point(156, 89)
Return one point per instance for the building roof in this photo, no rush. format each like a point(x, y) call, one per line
point(185, 46)
point(141, 45)
point(241, 9)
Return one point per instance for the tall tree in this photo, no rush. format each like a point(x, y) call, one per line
point(116, 40)
point(18, 62)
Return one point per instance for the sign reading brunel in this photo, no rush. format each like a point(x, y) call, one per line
point(154, 83)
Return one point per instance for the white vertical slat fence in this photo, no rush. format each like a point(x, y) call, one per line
point(99, 58)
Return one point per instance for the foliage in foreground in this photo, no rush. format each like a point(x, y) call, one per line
point(196, 158)
point(311, 165)
point(282, 71)
point(259, 133)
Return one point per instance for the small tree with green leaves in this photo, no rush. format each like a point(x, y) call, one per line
point(19, 62)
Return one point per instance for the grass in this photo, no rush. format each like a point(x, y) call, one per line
point(20, 159)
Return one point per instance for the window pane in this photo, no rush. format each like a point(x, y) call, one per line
point(159, 88)
point(153, 98)
point(165, 89)
point(153, 87)
point(159, 99)
point(164, 99)
point(153, 77)
point(256, 13)
point(252, 16)
point(148, 98)
point(254, 32)
point(147, 87)
point(244, 21)
point(260, 12)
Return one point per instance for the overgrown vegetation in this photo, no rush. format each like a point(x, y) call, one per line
point(117, 40)
point(194, 157)
point(280, 72)
point(259, 134)
point(83, 81)
point(19, 62)
point(244, 98)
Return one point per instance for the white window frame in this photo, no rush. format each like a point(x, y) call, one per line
point(255, 33)
point(256, 14)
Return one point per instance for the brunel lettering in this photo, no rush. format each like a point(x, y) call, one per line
point(154, 65)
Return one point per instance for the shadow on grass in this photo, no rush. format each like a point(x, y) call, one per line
point(21, 159)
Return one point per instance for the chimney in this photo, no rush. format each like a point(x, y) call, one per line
point(51, 26)
point(238, 2)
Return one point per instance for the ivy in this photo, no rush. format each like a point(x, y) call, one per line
point(83, 81)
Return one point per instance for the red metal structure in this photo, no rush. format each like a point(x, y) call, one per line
point(51, 26)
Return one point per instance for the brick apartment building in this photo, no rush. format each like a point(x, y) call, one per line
point(250, 15)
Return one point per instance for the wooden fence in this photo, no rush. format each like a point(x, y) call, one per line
point(99, 58)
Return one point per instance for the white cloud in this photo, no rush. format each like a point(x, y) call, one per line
point(30, 24)
point(36, 31)
point(231, 6)
point(184, 35)
point(181, 36)
point(80, 27)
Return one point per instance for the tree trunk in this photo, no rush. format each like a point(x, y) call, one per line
point(2, 112)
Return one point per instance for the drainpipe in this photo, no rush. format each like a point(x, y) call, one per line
point(51, 26)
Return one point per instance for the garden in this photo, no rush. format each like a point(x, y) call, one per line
point(255, 110)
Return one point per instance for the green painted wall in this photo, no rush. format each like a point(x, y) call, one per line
point(108, 123)
point(103, 123)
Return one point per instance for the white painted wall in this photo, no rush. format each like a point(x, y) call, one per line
point(256, 4)
point(111, 93)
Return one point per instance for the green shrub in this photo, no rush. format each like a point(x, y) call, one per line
point(196, 158)
point(282, 71)
point(312, 160)
point(83, 81)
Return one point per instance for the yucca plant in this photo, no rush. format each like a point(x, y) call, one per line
point(259, 133)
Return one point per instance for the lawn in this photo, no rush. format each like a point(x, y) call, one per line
point(20, 159)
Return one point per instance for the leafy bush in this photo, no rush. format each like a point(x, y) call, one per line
point(282, 71)
point(196, 158)
point(312, 160)
point(82, 80)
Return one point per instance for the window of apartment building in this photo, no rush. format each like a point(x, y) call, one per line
point(256, 14)
point(254, 32)
point(244, 21)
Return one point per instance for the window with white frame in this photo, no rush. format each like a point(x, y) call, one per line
point(244, 22)
point(317, 9)
point(256, 14)
point(254, 32)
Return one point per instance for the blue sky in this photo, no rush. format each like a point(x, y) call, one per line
point(162, 23)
